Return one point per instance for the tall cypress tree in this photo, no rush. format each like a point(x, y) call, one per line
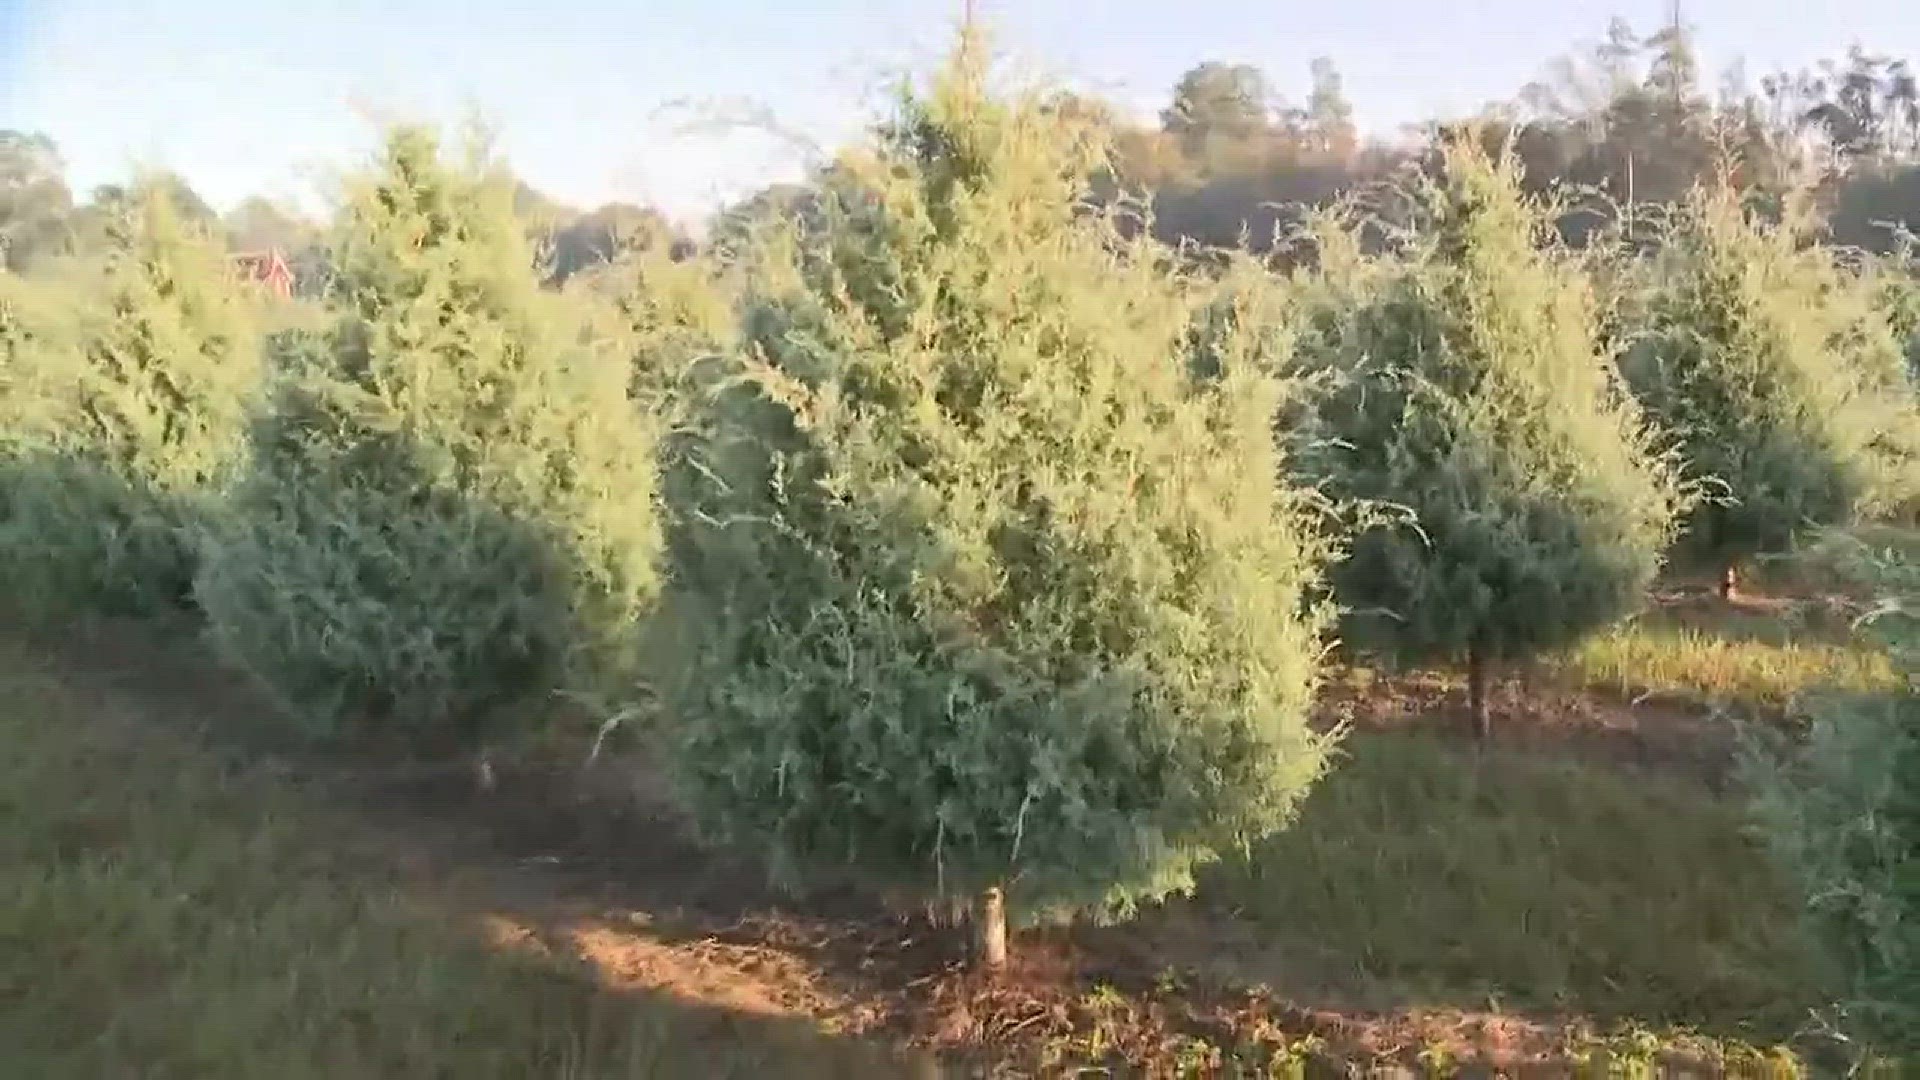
point(450, 505)
point(989, 598)
point(1466, 384)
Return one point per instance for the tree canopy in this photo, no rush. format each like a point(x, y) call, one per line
point(984, 590)
point(1468, 385)
point(450, 505)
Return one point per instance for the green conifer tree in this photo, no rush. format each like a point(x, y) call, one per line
point(20, 337)
point(1788, 392)
point(1467, 385)
point(139, 385)
point(988, 598)
point(663, 310)
point(451, 504)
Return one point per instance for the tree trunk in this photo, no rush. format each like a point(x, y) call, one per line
point(483, 779)
point(1729, 582)
point(1477, 695)
point(990, 928)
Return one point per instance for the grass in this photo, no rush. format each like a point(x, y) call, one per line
point(1653, 658)
point(1426, 872)
point(1758, 654)
point(167, 911)
point(172, 909)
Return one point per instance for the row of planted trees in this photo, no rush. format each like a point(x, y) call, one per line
point(974, 541)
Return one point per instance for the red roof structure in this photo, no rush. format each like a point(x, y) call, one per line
point(268, 268)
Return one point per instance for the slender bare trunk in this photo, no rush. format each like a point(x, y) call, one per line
point(483, 778)
point(1477, 694)
point(990, 926)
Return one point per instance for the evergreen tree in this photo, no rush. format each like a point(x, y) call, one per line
point(451, 503)
point(1467, 384)
point(987, 597)
point(1787, 390)
point(20, 339)
point(1895, 289)
point(1839, 808)
point(140, 409)
point(661, 311)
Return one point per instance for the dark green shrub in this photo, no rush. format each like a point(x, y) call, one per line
point(982, 590)
point(451, 503)
point(1466, 384)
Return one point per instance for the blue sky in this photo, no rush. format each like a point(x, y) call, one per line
point(263, 96)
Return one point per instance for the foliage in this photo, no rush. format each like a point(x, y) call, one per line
point(1215, 100)
point(1842, 811)
point(1867, 108)
point(1896, 294)
point(603, 235)
point(259, 224)
point(29, 324)
point(451, 505)
point(1873, 336)
point(1469, 387)
point(660, 312)
point(1781, 383)
point(34, 199)
point(981, 587)
point(140, 418)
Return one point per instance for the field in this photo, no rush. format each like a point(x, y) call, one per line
point(1448, 646)
point(1579, 897)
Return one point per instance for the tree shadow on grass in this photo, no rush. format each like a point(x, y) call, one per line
point(1432, 875)
point(311, 941)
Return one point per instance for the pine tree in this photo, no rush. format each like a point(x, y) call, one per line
point(140, 386)
point(1788, 392)
point(450, 508)
point(1467, 385)
point(986, 596)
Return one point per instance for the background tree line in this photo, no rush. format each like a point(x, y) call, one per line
point(1630, 119)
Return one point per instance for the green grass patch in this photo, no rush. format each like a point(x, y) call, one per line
point(1423, 872)
point(168, 912)
point(1704, 667)
point(1803, 635)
